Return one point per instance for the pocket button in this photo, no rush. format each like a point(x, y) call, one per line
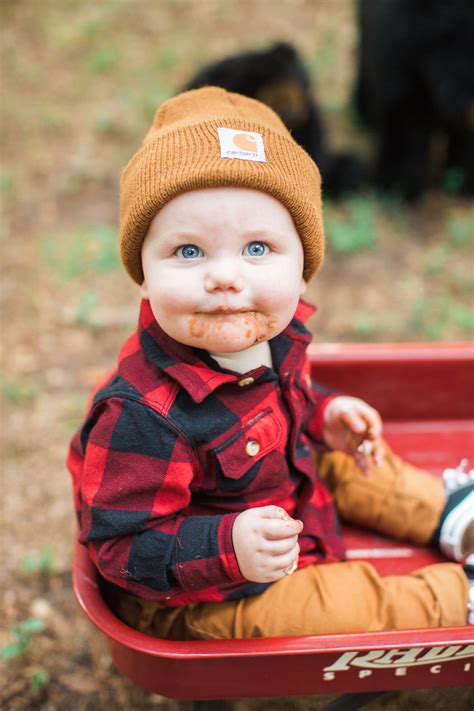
point(252, 448)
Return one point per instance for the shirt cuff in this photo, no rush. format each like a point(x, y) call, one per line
point(226, 548)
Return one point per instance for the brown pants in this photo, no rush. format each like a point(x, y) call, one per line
point(397, 500)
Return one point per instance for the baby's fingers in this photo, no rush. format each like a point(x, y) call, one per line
point(271, 512)
point(369, 451)
point(374, 424)
point(286, 563)
point(354, 421)
point(276, 530)
point(279, 547)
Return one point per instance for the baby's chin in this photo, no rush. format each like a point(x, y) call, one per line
point(229, 333)
point(227, 347)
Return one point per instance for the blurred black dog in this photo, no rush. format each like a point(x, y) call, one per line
point(416, 83)
point(278, 78)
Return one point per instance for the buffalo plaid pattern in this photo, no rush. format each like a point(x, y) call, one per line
point(173, 448)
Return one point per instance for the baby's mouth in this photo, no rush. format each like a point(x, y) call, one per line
point(224, 310)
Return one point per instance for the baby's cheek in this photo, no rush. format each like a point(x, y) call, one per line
point(175, 301)
point(279, 300)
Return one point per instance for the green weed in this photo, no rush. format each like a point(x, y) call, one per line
point(431, 316)
point(106, 258)
point(103, 60)
point(393, 207)
point(335, 106)
point(464, 317)
point(16, 391)
point(420, 319)
point(91, 29)
point(6, 183)
point(460, 231)
point(453, 180)
point(40, 679)
point(324, 58)
point(87, 302)
point(41, 564)
point(93, 249)
point(353, 230)
point(169, 58)
point(104, 124)
point(465, 284)
point(153, 89)
point(22, 634)
point(364, 328)
point(436, 260)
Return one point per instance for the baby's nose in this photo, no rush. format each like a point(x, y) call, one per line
point(223, 276)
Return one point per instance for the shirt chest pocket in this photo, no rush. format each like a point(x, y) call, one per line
point(241, 458)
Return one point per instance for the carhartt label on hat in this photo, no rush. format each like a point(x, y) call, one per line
point(244, 145)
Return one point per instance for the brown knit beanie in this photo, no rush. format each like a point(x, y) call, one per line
point(213, 138)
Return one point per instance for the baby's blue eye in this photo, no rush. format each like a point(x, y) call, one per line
point(256, 249)
point(189, 251)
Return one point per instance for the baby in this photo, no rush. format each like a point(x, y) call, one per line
point(197, 487)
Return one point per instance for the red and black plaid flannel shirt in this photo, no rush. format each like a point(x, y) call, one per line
point(162, 465)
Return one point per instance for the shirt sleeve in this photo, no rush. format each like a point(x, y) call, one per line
point(135, 497)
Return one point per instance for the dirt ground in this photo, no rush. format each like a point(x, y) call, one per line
point(80, 81)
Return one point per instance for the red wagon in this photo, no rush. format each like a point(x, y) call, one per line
point(425, 394)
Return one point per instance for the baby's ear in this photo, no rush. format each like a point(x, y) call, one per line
point(303, 286)
point(144, 290)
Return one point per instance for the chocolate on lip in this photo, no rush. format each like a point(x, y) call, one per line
point(228, 310)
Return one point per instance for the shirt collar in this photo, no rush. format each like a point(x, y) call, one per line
point(197, 372)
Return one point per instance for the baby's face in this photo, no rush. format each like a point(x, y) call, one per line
point(223, 268)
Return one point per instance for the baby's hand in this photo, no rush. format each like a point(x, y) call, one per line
point(266, 543)
point(352, 426)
